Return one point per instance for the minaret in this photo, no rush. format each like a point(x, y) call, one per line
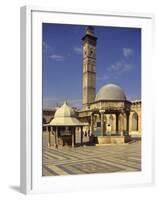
point(89, 67)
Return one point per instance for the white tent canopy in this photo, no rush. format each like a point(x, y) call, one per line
point(65, 116)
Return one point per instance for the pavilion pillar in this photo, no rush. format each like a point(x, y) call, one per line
point(49, 137)
point(74, 138)
point(114, 124)
point(139, 123)
point(56, 137)
point(127, 122)
point(122, 124)
point(46, 128)
point(73, 135)
point(81, 136)
point(117, 122)
point(91, 130)
point(102, 121)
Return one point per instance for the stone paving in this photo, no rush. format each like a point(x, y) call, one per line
point(91, 159)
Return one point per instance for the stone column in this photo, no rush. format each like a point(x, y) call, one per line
point(73, 142)
point(81, 136)
point(122, 123)
point(56, 137)
point(139, 123)
point(74, 135)
point(117, 122)
point(130, 122)
point(102, 121)
point(49, 138)
point(114, 123)
point(127, 122)
point(91, 130)
point(51, 132)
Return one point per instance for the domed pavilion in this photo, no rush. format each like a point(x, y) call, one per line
point(63, 126)
point(108, 112)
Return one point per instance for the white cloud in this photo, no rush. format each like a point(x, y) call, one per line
point(127, 52)
point(115, 67)
point(103, 77)
point(123, 65)
point(57, 57)
point(47, 48)
point(77, 50)
point(120, 67)
point(127, 67)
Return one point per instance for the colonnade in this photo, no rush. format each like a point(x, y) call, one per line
point(119, 125)
point(55, 132)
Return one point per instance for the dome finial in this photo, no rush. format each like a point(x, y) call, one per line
point(65, 102)
point(64, 111)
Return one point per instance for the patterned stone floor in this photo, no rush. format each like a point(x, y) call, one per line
point(91, 159)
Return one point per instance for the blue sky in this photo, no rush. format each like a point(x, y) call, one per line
point(118, 61)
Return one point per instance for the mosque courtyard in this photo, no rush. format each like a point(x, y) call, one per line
point(91, 159)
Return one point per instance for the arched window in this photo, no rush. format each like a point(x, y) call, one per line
point(135, 122)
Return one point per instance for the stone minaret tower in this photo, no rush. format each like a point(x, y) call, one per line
point(89, 67)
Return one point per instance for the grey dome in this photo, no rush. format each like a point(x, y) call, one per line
point(110, 92)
